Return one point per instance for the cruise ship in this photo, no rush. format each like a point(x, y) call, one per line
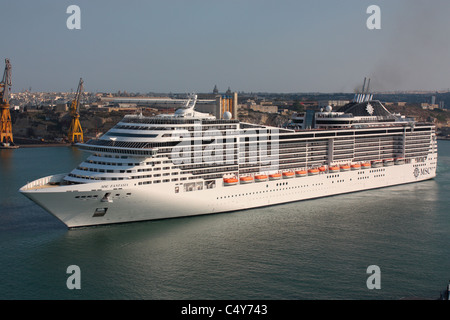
point(192, 163)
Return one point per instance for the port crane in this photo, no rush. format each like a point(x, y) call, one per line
point(6, 136)
point(75, 131)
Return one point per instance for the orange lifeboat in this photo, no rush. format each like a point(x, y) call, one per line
point(312, 172)
point(275, 176)
point(366, 165)
point(301, 173)
point(355, 166)
point(288, 174)
point(333, 169)
point(345, 167)
point(246, 179)
point(322, 169)
point(230, 181)
point(261, 178)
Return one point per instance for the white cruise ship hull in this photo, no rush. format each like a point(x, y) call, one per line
point(86, 205)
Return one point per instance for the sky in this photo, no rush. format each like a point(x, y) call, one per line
point(183, 46)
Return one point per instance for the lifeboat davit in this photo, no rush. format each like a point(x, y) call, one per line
point(366, 165)
point(345, 167)
point(333, 169)
point(312, 172)
point(301, 173)
point(355, 166)
point(261, 178)
point(288, 174)
point(230, 181)
point(246, 179)
point(275, 176)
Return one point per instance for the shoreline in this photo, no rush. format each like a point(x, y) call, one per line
point(41, 145)
point(32, 143)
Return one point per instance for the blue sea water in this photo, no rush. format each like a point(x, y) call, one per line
point(308, 250)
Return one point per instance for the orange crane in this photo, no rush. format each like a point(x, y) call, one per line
point(6, 136)
point(75, 130)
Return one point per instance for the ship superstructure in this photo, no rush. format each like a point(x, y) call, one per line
point(190, 163)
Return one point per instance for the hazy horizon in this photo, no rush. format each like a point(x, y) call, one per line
point(248, 45)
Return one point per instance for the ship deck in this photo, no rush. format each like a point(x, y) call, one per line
point(44, 183)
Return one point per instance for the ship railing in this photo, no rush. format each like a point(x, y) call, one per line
point(45, 182)
point(92, 146)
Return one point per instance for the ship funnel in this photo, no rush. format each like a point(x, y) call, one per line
point(363, 95)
